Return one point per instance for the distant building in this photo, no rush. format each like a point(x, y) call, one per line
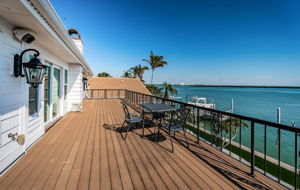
point(26, 111)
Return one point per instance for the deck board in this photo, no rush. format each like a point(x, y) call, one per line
point(86, 151)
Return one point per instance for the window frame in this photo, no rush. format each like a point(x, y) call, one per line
point(66, 82)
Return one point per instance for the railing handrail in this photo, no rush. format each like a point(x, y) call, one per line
point(260, 121)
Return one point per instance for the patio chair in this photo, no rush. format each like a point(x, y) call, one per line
point(177, 123)
point(130, 119)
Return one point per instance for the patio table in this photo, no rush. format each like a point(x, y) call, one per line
point(156, 108)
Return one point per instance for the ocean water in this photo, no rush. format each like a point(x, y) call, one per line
point(259, 103)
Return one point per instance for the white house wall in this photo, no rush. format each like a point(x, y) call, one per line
point(75, 94)
point(14, 96)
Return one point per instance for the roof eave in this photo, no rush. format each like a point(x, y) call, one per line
point(46, 9)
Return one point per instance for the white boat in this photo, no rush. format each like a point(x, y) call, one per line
point(202, 102)
point(175, 97)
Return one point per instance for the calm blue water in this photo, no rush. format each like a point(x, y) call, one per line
point(258, 103)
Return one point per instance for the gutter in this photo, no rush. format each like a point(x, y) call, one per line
point(46, 10)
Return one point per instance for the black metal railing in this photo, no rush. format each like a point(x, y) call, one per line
point(220, 129)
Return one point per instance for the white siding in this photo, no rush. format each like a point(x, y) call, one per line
point(14, 116)
point(75, 94)
point(11, 100)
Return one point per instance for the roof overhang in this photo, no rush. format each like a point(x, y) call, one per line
point(40, 17)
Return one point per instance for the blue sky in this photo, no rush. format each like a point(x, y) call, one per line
point(242, 42)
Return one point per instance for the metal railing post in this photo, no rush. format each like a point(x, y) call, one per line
point(252, 149)
point(279, 154)
point(198, 125)
point(265, 149)
point(296, 161)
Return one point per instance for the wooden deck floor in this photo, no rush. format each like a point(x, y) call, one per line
point(83, 151)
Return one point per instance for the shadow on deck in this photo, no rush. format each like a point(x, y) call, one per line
point(85, 151)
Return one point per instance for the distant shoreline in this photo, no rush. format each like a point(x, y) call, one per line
point(242, 86)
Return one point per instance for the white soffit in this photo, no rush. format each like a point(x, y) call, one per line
point(22, 13)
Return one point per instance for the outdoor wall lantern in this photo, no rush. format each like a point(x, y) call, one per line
point(34, 70)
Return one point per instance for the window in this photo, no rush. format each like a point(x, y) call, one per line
point(33, 100)
point(66, 84)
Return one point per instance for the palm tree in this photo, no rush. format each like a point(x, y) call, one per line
point(232, 126)
point(104, 74)
point(127, 74)
point(155, 61)
point(138, 71)
point(168, 88)
point(154, 90)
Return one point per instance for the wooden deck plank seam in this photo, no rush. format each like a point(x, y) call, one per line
point(113, 151)
point(120, 113)
point(24, 159)
point(85, 159)
point(39, 165)
point(78, 138)
point(73, 176)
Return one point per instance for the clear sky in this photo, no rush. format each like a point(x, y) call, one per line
point(243, 42)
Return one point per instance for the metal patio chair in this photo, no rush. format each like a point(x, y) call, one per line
point(177, 123)
point(130, 119)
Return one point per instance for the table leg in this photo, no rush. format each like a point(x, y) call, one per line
point(143, 116)
point(160, 121)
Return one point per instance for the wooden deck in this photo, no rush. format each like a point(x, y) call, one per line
point(84, 151)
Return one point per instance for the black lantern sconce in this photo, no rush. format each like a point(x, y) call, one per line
point(84, 81)
point(34, 70)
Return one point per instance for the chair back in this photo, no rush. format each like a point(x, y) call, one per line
point(126, 112)
point(180, 117)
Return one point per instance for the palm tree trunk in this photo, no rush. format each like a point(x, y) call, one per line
point(152, 76)
point(166, 96)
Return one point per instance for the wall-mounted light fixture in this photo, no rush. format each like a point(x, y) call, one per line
point(84, 81)
point(34, 70)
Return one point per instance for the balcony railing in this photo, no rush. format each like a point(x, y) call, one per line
point(244, 138)
point(104, 93)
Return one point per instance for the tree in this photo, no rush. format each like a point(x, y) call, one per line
point(155, 61)
point(236, 125)
point(127, 74)
point(138, 71)
point(154, 90)
point(168, 88)
point(104, 74)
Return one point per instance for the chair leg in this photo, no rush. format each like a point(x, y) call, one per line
point(155, 129)
point(128, 127)
point(122, 126)
point(170, 136)
point(187, 143)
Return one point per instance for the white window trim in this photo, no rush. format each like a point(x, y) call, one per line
point(66, 84)
point(60, 92)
